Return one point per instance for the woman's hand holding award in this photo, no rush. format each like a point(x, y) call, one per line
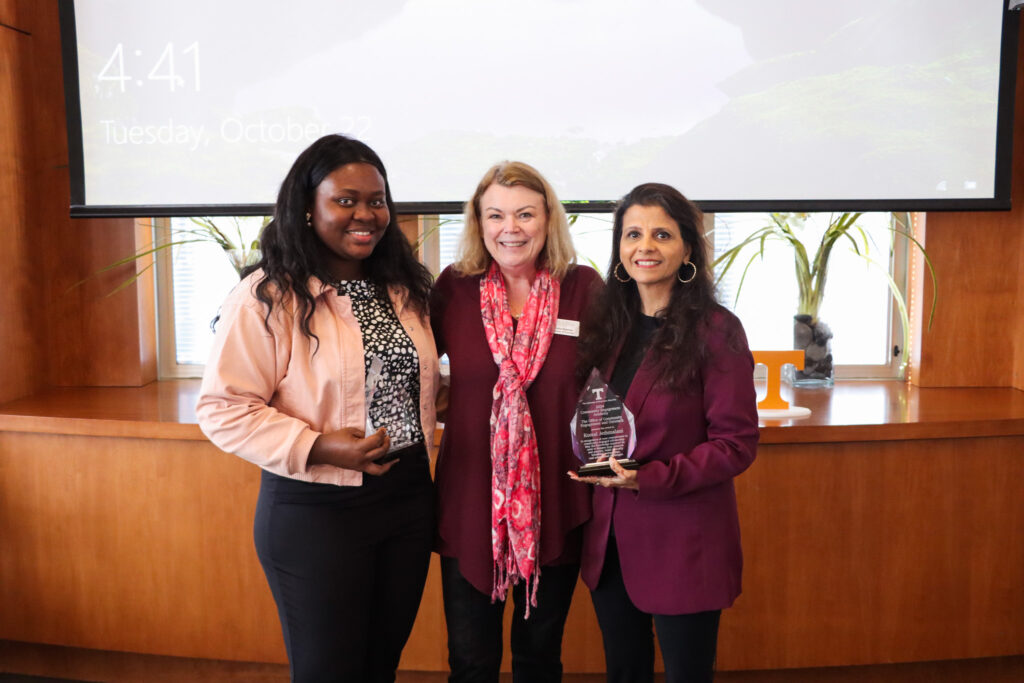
point(602, 428)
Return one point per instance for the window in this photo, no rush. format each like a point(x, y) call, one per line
point(195, 277)
point(857, 305)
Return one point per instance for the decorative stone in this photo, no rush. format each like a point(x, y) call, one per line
point(815, 352)
point(822, 333)
point(814, 340)
point(802, 335)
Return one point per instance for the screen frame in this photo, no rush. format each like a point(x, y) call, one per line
point(1000, 201)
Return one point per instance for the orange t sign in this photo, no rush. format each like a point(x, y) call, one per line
point(774, 360)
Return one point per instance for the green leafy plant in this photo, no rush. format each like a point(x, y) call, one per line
point(241, 252)
point(812, 269)
point(229, 235)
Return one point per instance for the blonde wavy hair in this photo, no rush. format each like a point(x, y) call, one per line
point(558, 253)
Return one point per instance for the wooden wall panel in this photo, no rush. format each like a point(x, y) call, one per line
point(95, 337)
point(144, 545)
point(9, 13)
point(971, 342)
point(20, 313)
point(89, 338)
point(132, 544)
point(856, 553)
point(1017, 330)
point(860, 553)
point(1018, 333)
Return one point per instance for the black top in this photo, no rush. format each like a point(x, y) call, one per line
point(632, 354)
point(392, 405)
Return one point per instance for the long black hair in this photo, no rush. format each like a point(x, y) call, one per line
point(292, 252)
point(679, 347)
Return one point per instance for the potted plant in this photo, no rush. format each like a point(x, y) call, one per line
point(810, 334)
point(239, 249)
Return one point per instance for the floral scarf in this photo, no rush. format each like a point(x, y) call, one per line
point(515, 467)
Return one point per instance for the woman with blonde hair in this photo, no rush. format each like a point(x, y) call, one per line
point(507, 314)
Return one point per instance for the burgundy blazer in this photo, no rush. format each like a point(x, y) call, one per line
point(678, 536)
point(463, 471)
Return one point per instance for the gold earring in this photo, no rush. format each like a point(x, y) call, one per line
point(309, 220)
point(615, 272)
point(680, 277)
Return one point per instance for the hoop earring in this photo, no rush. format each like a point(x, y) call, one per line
point(680, 278)
point(615, 272)
point(309, 220)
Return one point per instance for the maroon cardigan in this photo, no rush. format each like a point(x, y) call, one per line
point(679, 535)
point(463, 471)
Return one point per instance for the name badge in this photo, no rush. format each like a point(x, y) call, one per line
point(570, 328)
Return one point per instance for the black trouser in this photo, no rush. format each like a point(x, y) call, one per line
point(688, 641)
point(475, 627)
point(347, 567)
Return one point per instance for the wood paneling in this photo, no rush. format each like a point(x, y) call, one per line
point(95, 337)
point(976, 256)
point(855, 554)
point(9, 13)
point(85, 337)
point(891, 551)
point(882, 550)
point(1018, 334)
point(20, 312)
point(132, 544)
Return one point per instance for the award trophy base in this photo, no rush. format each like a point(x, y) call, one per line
point(603, 469)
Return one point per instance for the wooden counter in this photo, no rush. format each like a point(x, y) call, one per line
point(885, 527)
point(850, 411)
point(158, 410)
point(886, 410)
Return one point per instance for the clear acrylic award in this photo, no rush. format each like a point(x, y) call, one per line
point(399, 429)
point(602, 428)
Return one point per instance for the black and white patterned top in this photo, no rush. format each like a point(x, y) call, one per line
point(395, 403)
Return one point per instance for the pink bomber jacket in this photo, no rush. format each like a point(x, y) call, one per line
point(266, 395)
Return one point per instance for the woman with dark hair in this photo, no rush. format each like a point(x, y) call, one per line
point(323, 373)
point(664, 539)
point(507, 314)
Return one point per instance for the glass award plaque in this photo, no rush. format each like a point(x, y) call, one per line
point(602, 428)
point(400, 427)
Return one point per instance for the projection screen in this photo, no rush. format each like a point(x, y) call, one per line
point(200, 106)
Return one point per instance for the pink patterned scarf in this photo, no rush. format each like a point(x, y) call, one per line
point(515, 467)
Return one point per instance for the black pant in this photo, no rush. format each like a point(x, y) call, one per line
point(347, 568)
point(688, 641)
point(475, 627)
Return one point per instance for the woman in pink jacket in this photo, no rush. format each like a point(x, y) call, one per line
point(323, 373)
